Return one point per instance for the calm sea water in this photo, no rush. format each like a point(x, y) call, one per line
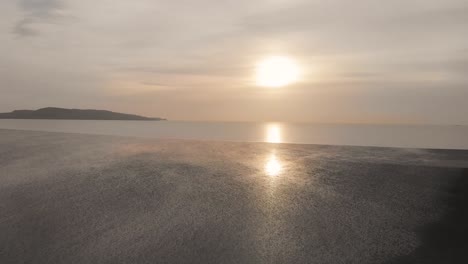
point(415, 136)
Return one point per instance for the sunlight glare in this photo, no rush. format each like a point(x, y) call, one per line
point(277, 71)
point(273, 133)
point(273, 167)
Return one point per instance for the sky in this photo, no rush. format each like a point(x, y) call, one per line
point(364, 61)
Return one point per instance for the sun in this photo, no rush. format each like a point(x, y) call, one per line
point(276, 71)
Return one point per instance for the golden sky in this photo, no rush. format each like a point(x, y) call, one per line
point(367, 61)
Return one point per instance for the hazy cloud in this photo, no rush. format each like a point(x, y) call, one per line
point(359, 59)
point(37, 12)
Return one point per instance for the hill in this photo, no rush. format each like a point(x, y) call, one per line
point(75, 114)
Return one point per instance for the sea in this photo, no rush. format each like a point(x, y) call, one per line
point(401, 136)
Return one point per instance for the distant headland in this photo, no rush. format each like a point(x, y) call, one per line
point(74, 114)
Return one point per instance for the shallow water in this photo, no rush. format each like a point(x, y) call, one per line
point(411, 136)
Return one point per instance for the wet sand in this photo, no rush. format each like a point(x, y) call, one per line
point(72, 198)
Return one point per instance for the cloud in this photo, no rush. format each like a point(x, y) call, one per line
point(37, 12)
point(213, 70)
point(154, 56)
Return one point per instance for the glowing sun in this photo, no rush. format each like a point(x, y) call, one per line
point(276, 71)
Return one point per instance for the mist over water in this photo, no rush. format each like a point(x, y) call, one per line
point(411, 136)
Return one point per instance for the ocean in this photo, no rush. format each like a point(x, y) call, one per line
point(405, 136)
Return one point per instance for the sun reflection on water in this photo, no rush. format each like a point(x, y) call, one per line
point(273, 167)
point(273, 133)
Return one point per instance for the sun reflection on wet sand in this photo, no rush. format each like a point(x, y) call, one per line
point(273, 167)
point(273, 133)
point(271, 202)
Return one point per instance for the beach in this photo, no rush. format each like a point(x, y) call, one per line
point(76, 198)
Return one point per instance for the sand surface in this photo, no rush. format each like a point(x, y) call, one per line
point(71, 198)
